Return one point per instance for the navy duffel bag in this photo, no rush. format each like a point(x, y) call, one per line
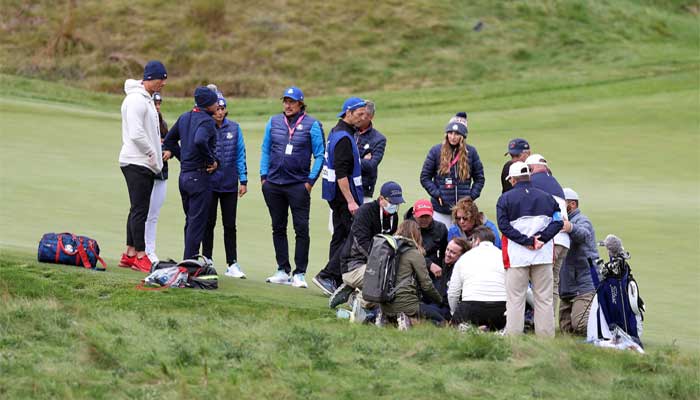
point(67, 248)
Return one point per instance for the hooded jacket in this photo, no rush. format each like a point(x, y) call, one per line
point(140, 129)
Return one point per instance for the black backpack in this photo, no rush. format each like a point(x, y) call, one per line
point(201, 274)
point(379, 283)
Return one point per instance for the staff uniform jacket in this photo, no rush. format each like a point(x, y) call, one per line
point(341, 160)
point(524, 212)
point(230, 151)
point(140, 129)
point(369, 220)
point(282, 169)
point(413, 273)
point(436, 185)
point(547, 183)
point(370, 141)
point(192, 139)
point(456, 231)
point(575, 275)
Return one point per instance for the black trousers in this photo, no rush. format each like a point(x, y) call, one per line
point(342, 222)
point(229, 204)
point(280, 199)
point(489, 313)
point(195, 190)
point(139, 183)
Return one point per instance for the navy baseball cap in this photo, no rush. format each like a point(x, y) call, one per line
point(392, 192)
point(352, 103)
point(220, 100)
point(293, 93)
point(517, 146)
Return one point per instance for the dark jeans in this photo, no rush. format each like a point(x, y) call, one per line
point(489, 313)
point(195, 191)
point(139, 183)
point(435, 312)
point(229, 203)
point(342, 222)
point(280, 199)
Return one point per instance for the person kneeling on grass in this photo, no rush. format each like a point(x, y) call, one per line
point(477, 290)
point(407, 307)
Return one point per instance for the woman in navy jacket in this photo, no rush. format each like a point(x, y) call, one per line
point(452, 170)
point(230, 151)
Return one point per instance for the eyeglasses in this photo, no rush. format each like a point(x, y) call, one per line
point(461, 218)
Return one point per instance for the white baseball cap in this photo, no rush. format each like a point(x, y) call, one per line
point(518, 168)
point(569, 194)
point(536, 159)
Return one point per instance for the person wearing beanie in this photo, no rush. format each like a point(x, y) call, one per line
point(192, 139)
point(230, 152)
point(140, 158)
point(291, 139)
point(160, 188)
point(452, 170)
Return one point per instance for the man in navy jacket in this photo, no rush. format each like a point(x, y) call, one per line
point(528, 218)
point(195, 131)
point(371, 144)
point(291, 138)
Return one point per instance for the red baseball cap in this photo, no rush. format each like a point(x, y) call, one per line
point(422, 207)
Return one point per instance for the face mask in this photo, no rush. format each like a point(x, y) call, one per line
point(391, 208)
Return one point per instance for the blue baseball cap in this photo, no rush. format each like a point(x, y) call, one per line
point(352, 103)
point(517, 146)
point(293, 93)
point(392, 192)
point(220, 100)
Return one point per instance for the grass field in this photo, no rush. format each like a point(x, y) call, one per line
point(608, 92)
point(628, 147)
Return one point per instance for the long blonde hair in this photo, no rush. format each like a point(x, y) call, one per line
point(409, 229)
point(446, 157)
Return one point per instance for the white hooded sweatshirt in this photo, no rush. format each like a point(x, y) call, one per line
point(140, 129)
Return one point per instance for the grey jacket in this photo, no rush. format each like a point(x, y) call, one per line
point(575, 275)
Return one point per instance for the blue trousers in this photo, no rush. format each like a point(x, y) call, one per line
point(195, 190)
point(280, 199)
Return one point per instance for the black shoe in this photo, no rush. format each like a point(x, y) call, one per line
point(327, 286)
point(340, 296)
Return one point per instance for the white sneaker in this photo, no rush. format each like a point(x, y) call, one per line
point(358, 313)
point(234, 271)
point(280, 277)
point(299, 281)
point(403, 321)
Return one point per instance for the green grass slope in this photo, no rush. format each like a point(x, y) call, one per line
point(253, 48)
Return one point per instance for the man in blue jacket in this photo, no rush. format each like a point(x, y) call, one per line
point(528, 218)
point(342, 187)
point(193, 141)
point(291, 138)
point(371, 145)
point(576, 288)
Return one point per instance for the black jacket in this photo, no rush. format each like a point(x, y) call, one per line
point(366, 223)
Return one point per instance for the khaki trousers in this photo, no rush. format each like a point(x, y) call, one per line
point(516, 287)
point(573, 314)
point(354, 279)
point(559, 256)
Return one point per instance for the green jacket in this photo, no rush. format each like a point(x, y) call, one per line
point(412, 266)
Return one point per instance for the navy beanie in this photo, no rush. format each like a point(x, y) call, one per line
point(154, 70)
point(204, 97)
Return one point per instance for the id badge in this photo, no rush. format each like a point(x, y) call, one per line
point(289, 148)
point(448, 183)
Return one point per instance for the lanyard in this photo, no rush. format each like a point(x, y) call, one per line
point(381, 221)
point(454, 161)
point(290, 129)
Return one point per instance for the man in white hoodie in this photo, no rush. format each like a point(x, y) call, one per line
point(140, 158)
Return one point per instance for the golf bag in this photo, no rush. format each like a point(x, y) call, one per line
point(617, 303)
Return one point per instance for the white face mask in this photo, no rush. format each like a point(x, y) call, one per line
point(391, 208)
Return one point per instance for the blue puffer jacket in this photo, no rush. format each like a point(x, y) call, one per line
point(370, 142)
point(575, 275)
point(192, 140)
point(282, 169)
point(437, 186)
point(230, 151)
